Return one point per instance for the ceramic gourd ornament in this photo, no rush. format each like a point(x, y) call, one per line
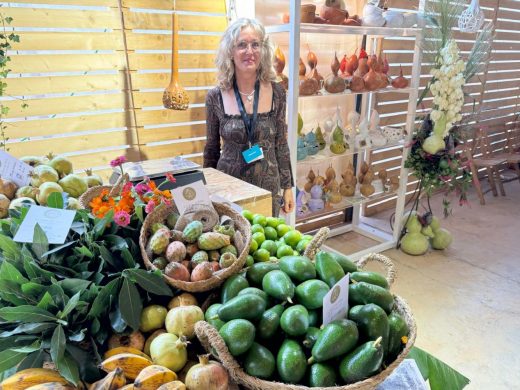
point(338, 145)
point(414, 242)
point(365, 178)
point(373, 15)
point(377, 139)
point(279, 65)
point(348, 184)
point(312, 144)
point(442, 238)
point(333, 191)
point(302, 209)
point(316, 202)
point(310, 181)
point(320, 138)
point(300, 124)
point(301, 150)
point(362, 139)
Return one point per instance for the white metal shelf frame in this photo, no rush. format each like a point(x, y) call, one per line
point(384, 239)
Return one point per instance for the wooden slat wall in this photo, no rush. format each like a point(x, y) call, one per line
point(496, 100)
point(92, 73)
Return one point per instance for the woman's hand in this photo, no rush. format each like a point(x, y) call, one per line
point(288, 200)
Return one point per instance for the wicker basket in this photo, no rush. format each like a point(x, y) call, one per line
point(241, 224)
point(93, 192)
point(212, 341)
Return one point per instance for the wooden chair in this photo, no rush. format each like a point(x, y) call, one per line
point(477, 154)
point(511, 151)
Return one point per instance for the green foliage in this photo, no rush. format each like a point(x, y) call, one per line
point(61, 302)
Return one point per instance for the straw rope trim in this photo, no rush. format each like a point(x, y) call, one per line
point(95, 191)
point(317, 241)
point(391, 273)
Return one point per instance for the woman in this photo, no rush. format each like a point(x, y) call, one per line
point(246, 81)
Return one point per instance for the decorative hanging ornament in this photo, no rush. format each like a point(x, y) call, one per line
point(471, 19)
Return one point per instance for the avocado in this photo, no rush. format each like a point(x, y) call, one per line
point(311, 293)
point(295, 320)
point(290, 362)
point(248, 307)
point(254, 291)
point(362, 363)
point(369, 277)
point(362, 293)
point(398, 329)
point(299, 268)
point(232, 287)
point(259, 362)
point(238, 335)
point(372, 323)
point(335, 339)
point(270, 322)
point(322, 375)
point(315, 318)
point(310, 337)
point(344, 262)
point(257, 271)
point(328, 269)
point(278, 285)
point(210, 314)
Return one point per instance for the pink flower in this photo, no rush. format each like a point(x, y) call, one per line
point(142, 188)
point(122, 218)
point(127, 187)
point(170, 178)
point(150, 206)
point(118, 161)
point(167, 201)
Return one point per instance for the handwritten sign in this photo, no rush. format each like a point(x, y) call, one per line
point(335, 303)
point(15, 170)
point(55, 223)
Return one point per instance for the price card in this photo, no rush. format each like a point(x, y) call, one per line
point(335, 303)
point(55, 223)
point(192, 193)
point(15, 170)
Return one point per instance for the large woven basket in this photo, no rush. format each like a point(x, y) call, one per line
point(212, 341)
point(93, 192)
point(241, 224)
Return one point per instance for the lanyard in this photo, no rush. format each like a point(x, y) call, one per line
point(249, 123)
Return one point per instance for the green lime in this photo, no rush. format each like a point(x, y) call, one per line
point(273, 259)
point(261, 255)
point(270, 233)
point(282, 229)
point(292, 238)
point(307, 237)
point(258, 237)
point(302, 245)
point(282, 220)
point(270, 246)
point(279, 243)
point(253, 246)
point(249, 260)
point(284, 250)
point(273, 222)
point(257, 228)
point(260, 219)
point(247, 215)
point(296, 253)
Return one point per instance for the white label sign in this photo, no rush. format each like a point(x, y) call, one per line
point(55, 223)
point(192, 193)
point(15, 170)
point(335, 303)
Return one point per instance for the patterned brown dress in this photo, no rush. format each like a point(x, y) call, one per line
point(273, 172)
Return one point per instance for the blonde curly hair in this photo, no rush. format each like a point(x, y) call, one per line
point(224, 62)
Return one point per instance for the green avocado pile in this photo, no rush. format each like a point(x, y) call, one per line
point(270, 318)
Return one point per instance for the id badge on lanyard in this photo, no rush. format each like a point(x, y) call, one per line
point(254, 152)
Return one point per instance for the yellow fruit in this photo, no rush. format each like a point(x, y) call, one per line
point(51, 386)
point(31, 377)
point(154, 376)
point(181, 320)
point(114, 380)
point(152, 317)
point(150, 338)
point(185, 299)
point(118, 350)
point(130, 364)
point(134, 340)
point(169, 351)
point(175, 385)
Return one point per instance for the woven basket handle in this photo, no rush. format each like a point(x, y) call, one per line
point(119, 184)
point(388, 264)
point(317, 241)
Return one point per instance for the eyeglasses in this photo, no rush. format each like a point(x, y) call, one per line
point(244, 45)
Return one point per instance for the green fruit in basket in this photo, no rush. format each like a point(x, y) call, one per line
point(258, 237)
point(295, 321)
point(238, 335)
point(227, 260)
point(270, 233)
point(247, 215)
point(344, 262)
point(229, 249)
point(257, 229)
point(199, 257)
point(369, 277)
point(334, 340)
point(270, 321)
point(249, 261)
point(74, 185)
point(270, 246)
point(328, 269)
point(362, 363)
point(363, 293)
point(311, 293)
point(292, 238)
point(273, 222)
point(284, 250)
point(172, 219)
point(259, 362)
point(290, 362)
point(228, 230)
point(310, 337)
point(398, 330)
point(261, 255)
point(260, 219)
point(278, 285)
point(247, 306)
point(156, 226)
point(214, 255)
point(322, 375)
point(232, 286)
point(282, 229)
point(160, 263)
point(257, 271)
point(302, 245)
point(315, 318)
point(212, 241)
point(253, 246)
point(192, 232)
point(210, 314)
point(372, 322)
point(255, 291)
point(299, 268)
point(159, 241)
